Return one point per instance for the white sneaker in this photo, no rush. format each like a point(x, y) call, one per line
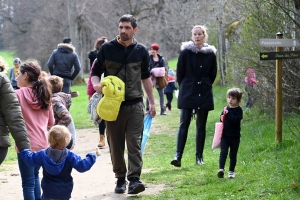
point(231, 174)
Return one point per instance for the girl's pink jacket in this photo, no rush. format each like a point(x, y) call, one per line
point(37, 120)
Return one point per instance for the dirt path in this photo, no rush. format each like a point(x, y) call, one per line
point(97, 183)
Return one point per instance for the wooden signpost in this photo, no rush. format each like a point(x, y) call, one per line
point(278, 56)
point(279, 42)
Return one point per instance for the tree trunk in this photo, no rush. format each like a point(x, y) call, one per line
point(75, 35)
point(221, 42)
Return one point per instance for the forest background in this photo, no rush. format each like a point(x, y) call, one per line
point(33, 28)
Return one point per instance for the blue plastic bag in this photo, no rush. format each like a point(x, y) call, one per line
point(146, 131)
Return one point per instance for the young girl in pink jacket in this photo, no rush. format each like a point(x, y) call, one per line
point(35, 100)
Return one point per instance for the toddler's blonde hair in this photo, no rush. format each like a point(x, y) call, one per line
point(59, 136)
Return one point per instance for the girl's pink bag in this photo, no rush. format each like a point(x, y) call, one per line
point(218, 133)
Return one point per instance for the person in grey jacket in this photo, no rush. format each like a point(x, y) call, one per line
point(11, 118)
point(13, 73)
point(61, 63)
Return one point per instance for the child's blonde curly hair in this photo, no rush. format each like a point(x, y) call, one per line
point(59, 136)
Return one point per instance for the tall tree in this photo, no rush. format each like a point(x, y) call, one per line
point(44, 23)
point(264, 19)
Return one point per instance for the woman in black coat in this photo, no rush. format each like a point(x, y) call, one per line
point(196, 72)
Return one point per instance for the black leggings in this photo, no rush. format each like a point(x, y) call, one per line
point(229, 142)
point(3, 153)
point(102, 127)
point(185, 120)
point(169, 100)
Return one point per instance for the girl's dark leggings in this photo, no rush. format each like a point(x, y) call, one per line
point(169, 100)
point(102, 127)
point(233, 144)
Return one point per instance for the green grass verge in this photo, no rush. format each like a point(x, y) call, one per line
point(79, 108)
point(265, 169)
point(172, 63)
point(8, 57)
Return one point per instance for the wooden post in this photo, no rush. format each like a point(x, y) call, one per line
point(279, 93)
point(221, 40)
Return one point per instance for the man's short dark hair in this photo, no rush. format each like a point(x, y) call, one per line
point(67, 40)
point(129, 18)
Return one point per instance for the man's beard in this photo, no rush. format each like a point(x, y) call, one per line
point(124, 37)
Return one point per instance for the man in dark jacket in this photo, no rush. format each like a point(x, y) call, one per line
point(61, 63)
point(114, 58)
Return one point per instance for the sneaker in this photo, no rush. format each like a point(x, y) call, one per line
point(231, 174)
point(121, 186)
point(135, 186)
point(221, 173)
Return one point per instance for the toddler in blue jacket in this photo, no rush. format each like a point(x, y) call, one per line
point(57, 162)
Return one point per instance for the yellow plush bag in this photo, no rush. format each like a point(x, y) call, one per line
point(113, 95)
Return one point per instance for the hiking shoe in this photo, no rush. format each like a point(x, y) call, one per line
point(74, 94)
point(135, 186)
point(231, 174)
point(121, 186)
point(220, 173)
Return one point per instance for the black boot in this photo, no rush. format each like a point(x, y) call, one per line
point(177, 160)
point(200, 140)
point(181, 140)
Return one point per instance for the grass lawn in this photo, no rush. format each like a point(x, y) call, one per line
point(8, 57)
point(79, 108)
point(172, 64)
point(265, 169)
